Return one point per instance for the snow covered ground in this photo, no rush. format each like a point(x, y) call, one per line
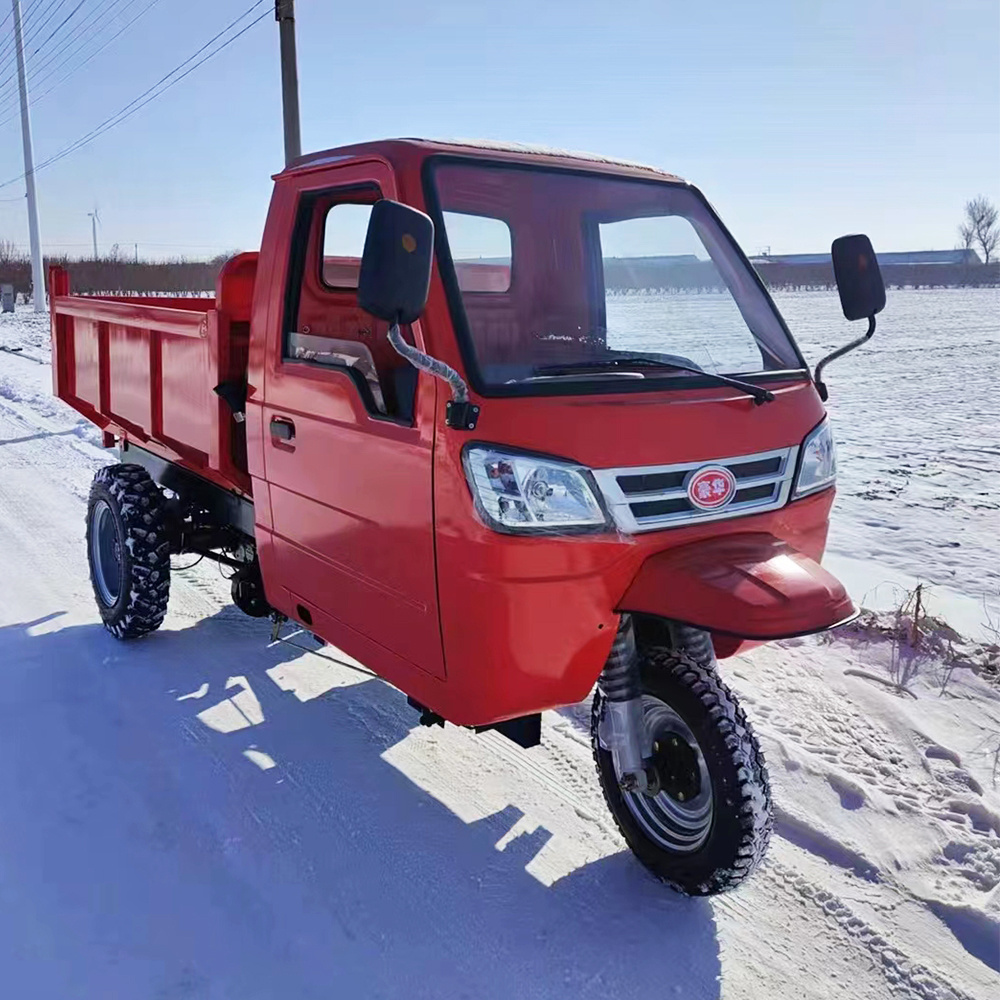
point(917, 419)
point(200, 815)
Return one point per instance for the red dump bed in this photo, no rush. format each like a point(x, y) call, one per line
point(143, 369)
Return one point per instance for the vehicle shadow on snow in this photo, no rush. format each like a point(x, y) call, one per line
point(154, 859)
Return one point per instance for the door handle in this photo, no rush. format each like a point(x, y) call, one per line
point(283, 429)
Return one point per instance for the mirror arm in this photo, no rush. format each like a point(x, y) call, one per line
point(461, 413)
point(839, 353)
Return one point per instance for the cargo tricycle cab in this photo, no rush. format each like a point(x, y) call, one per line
point(595, 455)
point(518, 424)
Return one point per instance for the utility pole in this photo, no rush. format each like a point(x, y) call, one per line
point(93, 229)
point(37, 274)
point(284, 14)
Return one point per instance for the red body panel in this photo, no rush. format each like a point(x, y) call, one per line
point(143, 369)
point(748, 585)
point(365, 526)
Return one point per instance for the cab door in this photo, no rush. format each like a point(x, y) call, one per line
point(347, 430)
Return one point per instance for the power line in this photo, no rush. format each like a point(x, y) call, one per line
point(96, 52)
point(148, 95)
point(7, 47)
point(29, 35)
point(33, 13)
point(153, 92)
point(26, 14)
point(38, 80)
point(32, 36)
point(35, 22)
point(32, 29)
point(32, 22)
point(39, 77)
point(58, 27)
point(91, 25)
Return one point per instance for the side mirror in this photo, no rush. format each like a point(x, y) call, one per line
point(396, 265)
point(859, 280)
point(862, 294)
point(393, 283)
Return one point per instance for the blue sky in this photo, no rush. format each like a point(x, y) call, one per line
point(800, 120)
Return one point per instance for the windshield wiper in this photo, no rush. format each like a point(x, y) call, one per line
point(558, 372)
point(673, 361)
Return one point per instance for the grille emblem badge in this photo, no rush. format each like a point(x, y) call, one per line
point(711, 487)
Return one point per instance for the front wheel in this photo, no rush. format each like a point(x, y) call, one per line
point(707, 826)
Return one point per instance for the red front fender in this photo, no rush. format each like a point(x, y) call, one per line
point(753, 586)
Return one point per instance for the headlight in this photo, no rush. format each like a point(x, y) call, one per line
point(818, 465)
point(527, 494)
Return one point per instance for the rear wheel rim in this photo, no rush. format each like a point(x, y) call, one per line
point(105, 553)
point(678, 820)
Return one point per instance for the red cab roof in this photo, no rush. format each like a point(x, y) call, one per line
point(399, 151)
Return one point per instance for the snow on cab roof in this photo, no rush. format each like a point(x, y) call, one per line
point(492, 145)
point(530, 148)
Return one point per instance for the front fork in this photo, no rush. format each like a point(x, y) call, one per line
point(622, 726)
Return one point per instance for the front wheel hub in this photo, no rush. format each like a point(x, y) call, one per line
point(675, 767)
point(677, 811)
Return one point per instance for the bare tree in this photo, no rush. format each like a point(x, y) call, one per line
point(8, 252)
point(980, 227)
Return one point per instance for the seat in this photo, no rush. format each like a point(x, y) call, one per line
point(351, 354)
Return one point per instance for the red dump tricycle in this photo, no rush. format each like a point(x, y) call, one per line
point(502, 424)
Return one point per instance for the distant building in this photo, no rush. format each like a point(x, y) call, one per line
point(907, 257)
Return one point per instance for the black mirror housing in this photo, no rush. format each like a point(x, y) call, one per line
point(396, 265)
point(859, 280)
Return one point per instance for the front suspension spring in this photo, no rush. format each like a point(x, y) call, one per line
point(619, 680)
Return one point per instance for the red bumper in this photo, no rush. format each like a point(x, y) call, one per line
point(753, 586)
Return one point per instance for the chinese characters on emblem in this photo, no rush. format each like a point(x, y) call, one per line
point(711, 489)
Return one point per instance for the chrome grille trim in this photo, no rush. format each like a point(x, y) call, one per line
point(622, 503)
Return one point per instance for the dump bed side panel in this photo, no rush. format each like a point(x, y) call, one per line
point(146, 373)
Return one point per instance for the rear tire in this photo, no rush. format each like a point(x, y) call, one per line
point(128, 550)
point(709, 826)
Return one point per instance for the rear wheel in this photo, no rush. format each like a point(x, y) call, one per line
point(128, 550)
point(707, 824)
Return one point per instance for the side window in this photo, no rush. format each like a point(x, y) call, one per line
point(481, 251)
point(344, 232)
point(324, 324)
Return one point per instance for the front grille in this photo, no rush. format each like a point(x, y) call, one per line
point(654, 497)
point(658, 508)
point(656, 483)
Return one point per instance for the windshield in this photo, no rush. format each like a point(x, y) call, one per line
point(557, 276)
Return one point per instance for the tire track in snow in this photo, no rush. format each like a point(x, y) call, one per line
point(904, 976)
